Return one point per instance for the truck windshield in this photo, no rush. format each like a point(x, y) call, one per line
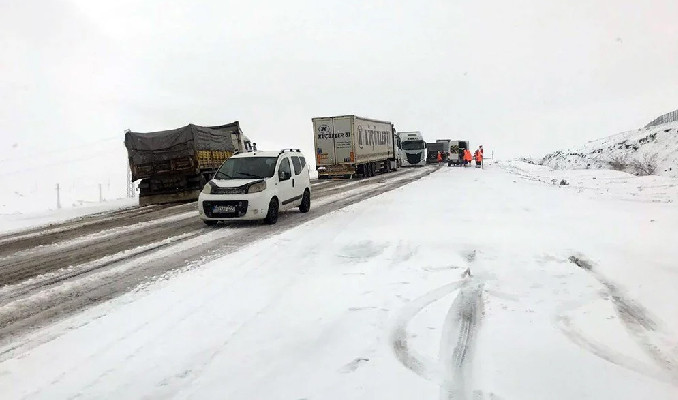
point(414, 145)
point(247, 168)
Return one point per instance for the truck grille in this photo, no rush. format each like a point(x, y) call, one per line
point(239, 208)
point(413, 158)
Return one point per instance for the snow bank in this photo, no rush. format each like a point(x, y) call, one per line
point(645, 151)
point(604, 183)
point(22, 220)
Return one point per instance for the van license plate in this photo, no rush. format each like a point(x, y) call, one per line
point(223, 209)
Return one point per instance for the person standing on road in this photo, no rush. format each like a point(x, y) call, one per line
point(467, 157)
point(440, 158)
point(479, 158)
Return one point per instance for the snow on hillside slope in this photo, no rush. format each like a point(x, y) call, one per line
point(629, 151)
point(517, 289)
point(607, 184)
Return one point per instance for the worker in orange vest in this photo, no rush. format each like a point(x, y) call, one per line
point(479, 157)
point(440, 158)
point(467, 157)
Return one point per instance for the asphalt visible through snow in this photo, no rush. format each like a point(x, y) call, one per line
point(50, 272)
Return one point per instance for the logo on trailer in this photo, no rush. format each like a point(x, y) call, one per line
point(373, 137)
point(325, 132)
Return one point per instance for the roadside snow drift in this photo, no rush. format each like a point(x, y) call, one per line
point(647, 151)
point(466, 284)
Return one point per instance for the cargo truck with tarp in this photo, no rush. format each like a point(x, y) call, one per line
point(174, 165)
point(348, 146)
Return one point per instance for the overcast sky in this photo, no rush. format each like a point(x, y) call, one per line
point(522, 77)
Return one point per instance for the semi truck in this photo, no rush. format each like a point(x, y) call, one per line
point(447, 147)
point(413, 149)
point(174, 165)
point(350, 146)
point(432, 150)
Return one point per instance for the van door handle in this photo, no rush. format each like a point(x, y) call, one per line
point(292, 182)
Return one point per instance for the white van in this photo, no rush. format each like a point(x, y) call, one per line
point(257, 185)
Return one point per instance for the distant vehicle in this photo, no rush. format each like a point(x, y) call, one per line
point(414, 149)
point(348, 146)
point(447, 144)
point(432, 150)
point(398, 150)
point(174, 165)
point(257, 185)
point(456, 149)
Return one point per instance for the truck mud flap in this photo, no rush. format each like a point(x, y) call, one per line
point(181, 197)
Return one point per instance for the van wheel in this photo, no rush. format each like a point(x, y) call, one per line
point(273, 209)
point(305, 202)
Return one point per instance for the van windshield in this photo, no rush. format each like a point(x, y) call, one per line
point(247, 168)
point(414, 145)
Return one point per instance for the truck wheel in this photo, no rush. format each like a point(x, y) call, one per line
point(305, 202)
point(273, 209)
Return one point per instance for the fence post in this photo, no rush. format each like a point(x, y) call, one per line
point(58, 197)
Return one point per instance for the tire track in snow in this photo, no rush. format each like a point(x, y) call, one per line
point(419, 364)
point(458, 340)
point(641, 326)
point(452, 370)
point(61, 297)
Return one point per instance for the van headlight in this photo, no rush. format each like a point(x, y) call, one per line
point(207, 189)
point(257, 187)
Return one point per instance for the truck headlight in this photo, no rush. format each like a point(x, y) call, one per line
point(257, 187)
point(207, 189)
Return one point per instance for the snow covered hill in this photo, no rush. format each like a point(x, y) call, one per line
point(652, 150)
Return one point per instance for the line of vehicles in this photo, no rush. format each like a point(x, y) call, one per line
point(221, 168)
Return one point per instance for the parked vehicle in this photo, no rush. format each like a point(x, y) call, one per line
point(257, 185)
point(432, 150)
point(348, 146)
point(174, 165)
point(398, 150)
point(456, 152)
point(414, 149)
point(447, 144)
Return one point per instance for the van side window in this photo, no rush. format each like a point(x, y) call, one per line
point(297, 165)
point(285, 167)
point(303, 162)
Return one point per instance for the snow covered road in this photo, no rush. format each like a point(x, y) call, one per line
point(50, 272)
point(465, 284)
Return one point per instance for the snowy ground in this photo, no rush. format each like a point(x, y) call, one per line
point(630, 151)
point(466, 284)
point(22, 220)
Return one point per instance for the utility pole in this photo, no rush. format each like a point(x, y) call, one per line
point(58, 197)
point(101, 197)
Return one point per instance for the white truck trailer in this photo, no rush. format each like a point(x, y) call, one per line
point(348, 146)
